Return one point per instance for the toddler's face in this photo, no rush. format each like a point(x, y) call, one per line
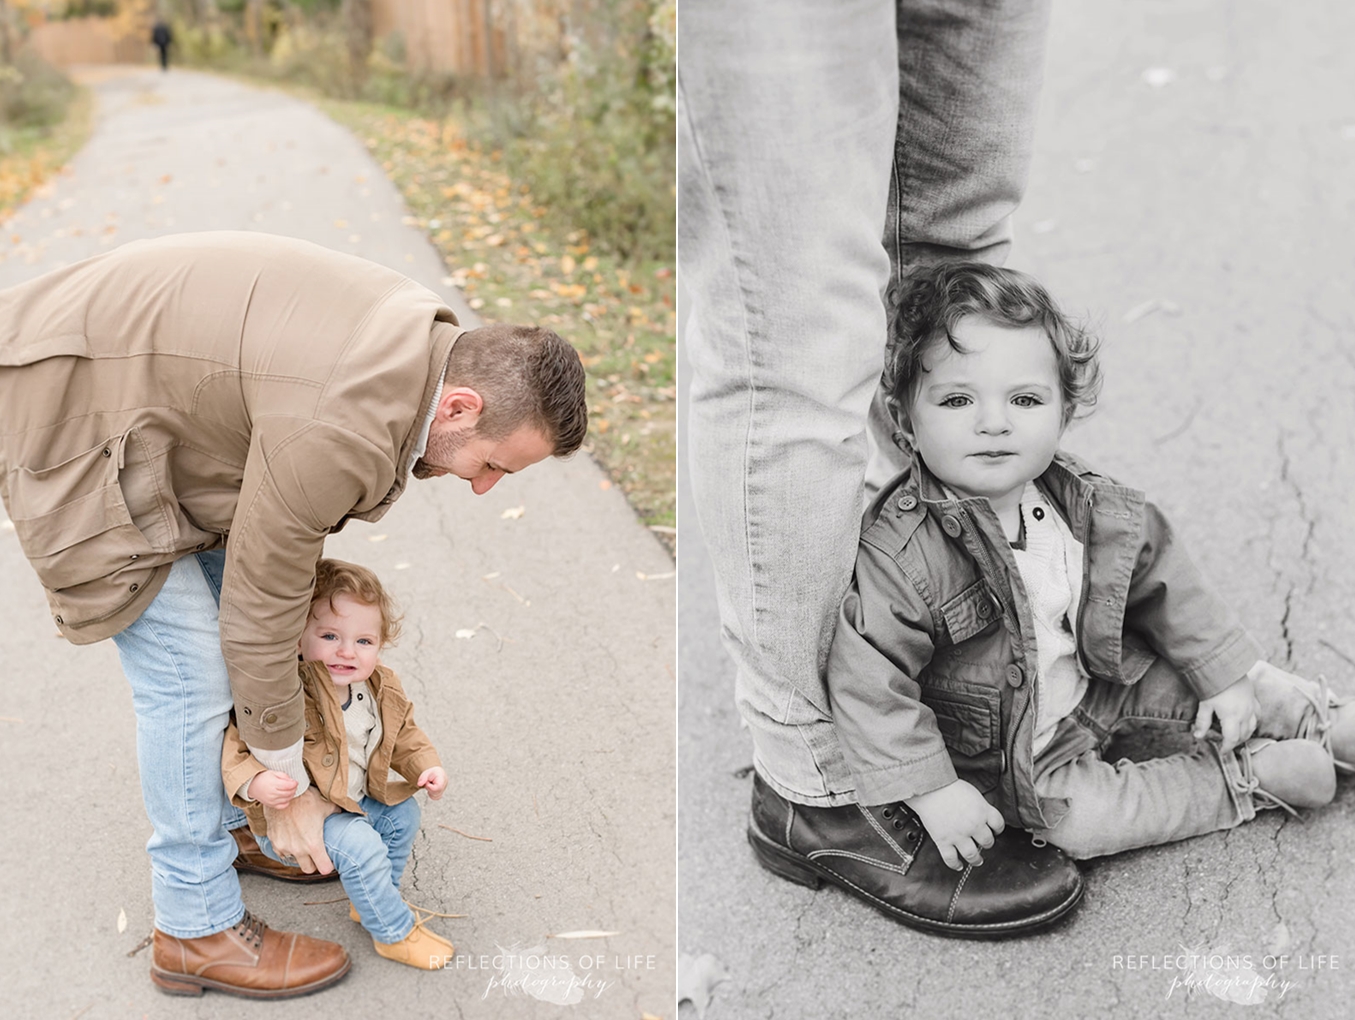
point(346, 638)
point(989, 421)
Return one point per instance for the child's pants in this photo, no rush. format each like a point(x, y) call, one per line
point(370, 853)
point(1097, 807)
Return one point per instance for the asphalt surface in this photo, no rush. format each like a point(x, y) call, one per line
point(555, 719)
point(1193, 193)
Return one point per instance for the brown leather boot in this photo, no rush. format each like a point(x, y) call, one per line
point(250, 959)
point(251, 860)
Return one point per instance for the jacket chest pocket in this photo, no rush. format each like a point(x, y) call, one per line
point(968, 715)
point(73, 525)
point(971, 612)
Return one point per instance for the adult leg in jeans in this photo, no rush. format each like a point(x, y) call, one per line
point(171, 656)
point(969, 87)
point(787, 119)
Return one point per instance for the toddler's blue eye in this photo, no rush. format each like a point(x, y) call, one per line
point(1026, 400)
point(955, 400)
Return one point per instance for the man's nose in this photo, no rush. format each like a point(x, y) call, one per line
point(482, 483)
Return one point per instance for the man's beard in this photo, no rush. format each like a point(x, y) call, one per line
point(441, 447)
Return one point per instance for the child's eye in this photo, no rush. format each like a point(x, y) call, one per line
point(1027, 400)
point(955, 400)
point(329, 637)
point(365, 641)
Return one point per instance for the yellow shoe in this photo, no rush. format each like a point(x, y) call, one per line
point(421, 948)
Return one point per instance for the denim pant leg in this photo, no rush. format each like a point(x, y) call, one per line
point(397, 824)
point(969, 90)
point(786, 123)
point(1098, 807)
point(364, 864)
point(172, 659)
point(788, 113)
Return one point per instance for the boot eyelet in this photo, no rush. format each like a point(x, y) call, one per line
point(898, 823)
point(911, 836)
point(888, 812)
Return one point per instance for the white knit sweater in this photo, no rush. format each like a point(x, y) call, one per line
point(1051, 570)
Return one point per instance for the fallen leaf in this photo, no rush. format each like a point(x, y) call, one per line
point(566, 264)
point(466, 632)
point(402, 566)
point(377, 538)
point(604, 485)
point(122, 921)
point(490, 577)
point(513, 513)
point(697, 978)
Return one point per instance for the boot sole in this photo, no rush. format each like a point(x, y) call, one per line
point(802, 870)
point(187, 984)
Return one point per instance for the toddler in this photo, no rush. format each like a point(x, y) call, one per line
point(359, 726)
point(1012, 611)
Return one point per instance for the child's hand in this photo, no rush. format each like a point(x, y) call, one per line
point(1235, 708)
point(960, 822)
point(434, 780)
point(272, 789)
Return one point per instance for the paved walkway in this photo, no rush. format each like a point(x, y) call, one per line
point(1194, 190)
point(555, 719)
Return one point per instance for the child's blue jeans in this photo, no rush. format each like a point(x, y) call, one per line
point(1099, 807)
point(370, 853)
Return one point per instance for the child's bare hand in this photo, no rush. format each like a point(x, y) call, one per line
point(960, 822)
point(1235, 709)
point(433, 780)
point(273, 789)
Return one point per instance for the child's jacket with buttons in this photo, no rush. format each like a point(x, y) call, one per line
point(404, 746)
point(931, 675)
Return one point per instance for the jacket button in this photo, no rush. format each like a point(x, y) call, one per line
point(985, 610)
point(327, 760)
point(59, 620)
point(908, 501)
point(136, 556)
point(107, 452)
point(1014, 675)
point(951, 525)
point(271, 718)
point(133, 587)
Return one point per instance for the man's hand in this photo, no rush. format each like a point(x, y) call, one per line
point(298, 831)
point(272, 789)
point(433, 780)
point(960, 822)
point(1235, 708)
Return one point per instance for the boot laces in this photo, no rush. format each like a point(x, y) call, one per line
point(251, 928)
point(1250, 784)
point(1317, 725)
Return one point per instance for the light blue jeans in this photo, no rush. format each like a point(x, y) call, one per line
point(808, 132)
point(370, 854)
point(172, 659)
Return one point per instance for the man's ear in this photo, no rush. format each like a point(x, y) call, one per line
point(460, 406)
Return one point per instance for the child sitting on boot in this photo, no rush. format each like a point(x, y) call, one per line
point(359, 726)
point(1012, 611)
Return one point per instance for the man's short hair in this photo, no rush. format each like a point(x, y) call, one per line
point(526, 375)
point(337, 577)
point(932, 300)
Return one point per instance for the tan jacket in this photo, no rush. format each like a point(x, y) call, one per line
point(164, 395)
point(404, 747)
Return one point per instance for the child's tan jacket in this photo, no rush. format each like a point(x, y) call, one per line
point(404, 746)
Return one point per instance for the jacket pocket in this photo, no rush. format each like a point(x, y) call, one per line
point(968, 715)
point(73, 524)
point(973, 610)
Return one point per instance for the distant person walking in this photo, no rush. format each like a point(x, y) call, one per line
point(161, 36)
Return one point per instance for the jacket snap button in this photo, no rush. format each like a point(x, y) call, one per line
point(59, 620)
point(327, 761)
point(133, 587)
point(200, 546)
point(136, 556)
point(908, 502)
point(107, 452)
point(1037, 513)
point(249, 711)
point(951, 525)
point(270, 718)
point(1014, 675)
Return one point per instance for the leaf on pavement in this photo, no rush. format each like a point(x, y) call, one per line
point(697, 978)
point(122, 921)
point(513, 513)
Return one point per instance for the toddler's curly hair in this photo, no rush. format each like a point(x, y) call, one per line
point(336, 577)
point(932, 299)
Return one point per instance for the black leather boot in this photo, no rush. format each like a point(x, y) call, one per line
point(883, 855)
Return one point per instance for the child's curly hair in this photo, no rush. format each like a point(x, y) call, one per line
point(932, 299)
point(335, 577)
